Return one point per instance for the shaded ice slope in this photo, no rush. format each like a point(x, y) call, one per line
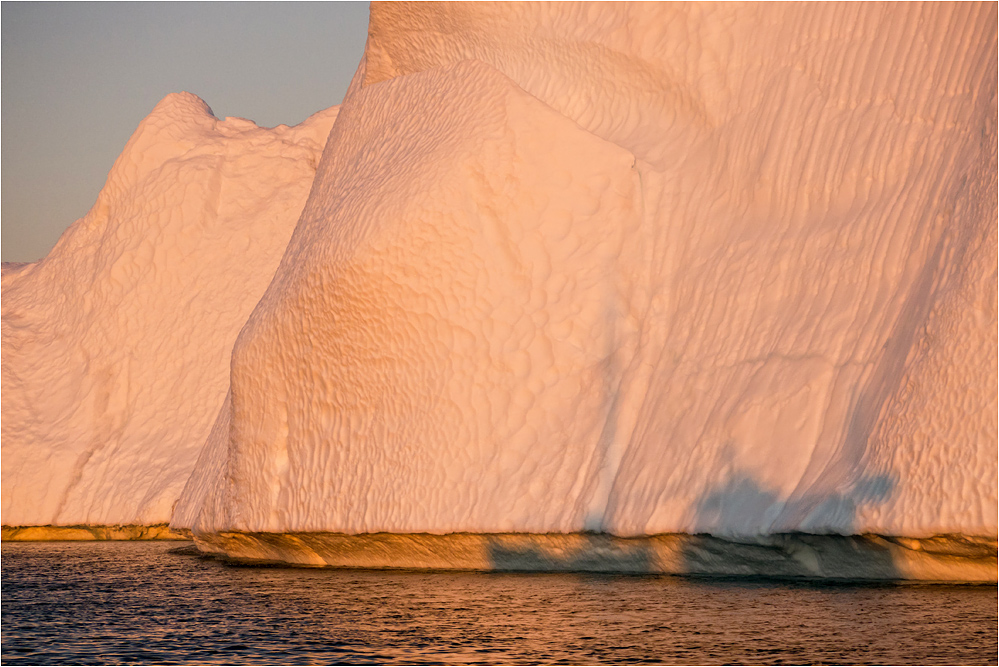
point(639, 270)
point(116, 345)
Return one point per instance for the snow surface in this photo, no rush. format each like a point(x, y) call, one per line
point(116, 345)
point(637, 269)
point(626, 268)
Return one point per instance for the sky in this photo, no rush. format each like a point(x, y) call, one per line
point(78, 77)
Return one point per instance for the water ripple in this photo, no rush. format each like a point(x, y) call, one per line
point(142, 602)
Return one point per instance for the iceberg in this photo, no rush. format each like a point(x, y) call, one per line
point(116, 345)
point(589, 286)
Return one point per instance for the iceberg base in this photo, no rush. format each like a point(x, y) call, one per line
point(945, 558)
point(86, 532)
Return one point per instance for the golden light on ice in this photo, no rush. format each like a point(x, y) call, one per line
point(567, 284)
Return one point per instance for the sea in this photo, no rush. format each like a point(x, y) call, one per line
point(111, 603)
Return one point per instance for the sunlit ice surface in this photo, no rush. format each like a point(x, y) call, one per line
point(550, 269)
point(128, 602)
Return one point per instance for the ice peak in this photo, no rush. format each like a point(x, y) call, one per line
point(176, 124)
point(182, 105)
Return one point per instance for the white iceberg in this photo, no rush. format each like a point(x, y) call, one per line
point(575, 281)
point(116, 345)
point(752, 305)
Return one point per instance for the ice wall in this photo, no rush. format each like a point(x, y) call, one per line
point(116, 345)
point(638, 269)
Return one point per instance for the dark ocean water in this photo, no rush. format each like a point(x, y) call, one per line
point(142, 602)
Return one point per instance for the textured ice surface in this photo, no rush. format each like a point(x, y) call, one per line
point(633, 269)
point(637, 269)
point(116, 345)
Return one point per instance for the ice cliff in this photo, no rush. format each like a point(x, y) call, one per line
point(116, 345)
point(620, 269)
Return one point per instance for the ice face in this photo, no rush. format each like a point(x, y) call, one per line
point(634, 270)
point(626, 269)
point(116, 345)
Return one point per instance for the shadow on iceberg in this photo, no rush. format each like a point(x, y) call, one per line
point(739, 515)
point(577, 552)
point(745, 505)
point(827, 557)
point(741, 504)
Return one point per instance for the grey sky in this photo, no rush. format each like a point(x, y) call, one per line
point(78, 78)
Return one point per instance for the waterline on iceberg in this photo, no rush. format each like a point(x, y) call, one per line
point(943, 558)
point(85, 533)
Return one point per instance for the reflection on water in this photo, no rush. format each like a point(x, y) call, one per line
point(137, 602)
